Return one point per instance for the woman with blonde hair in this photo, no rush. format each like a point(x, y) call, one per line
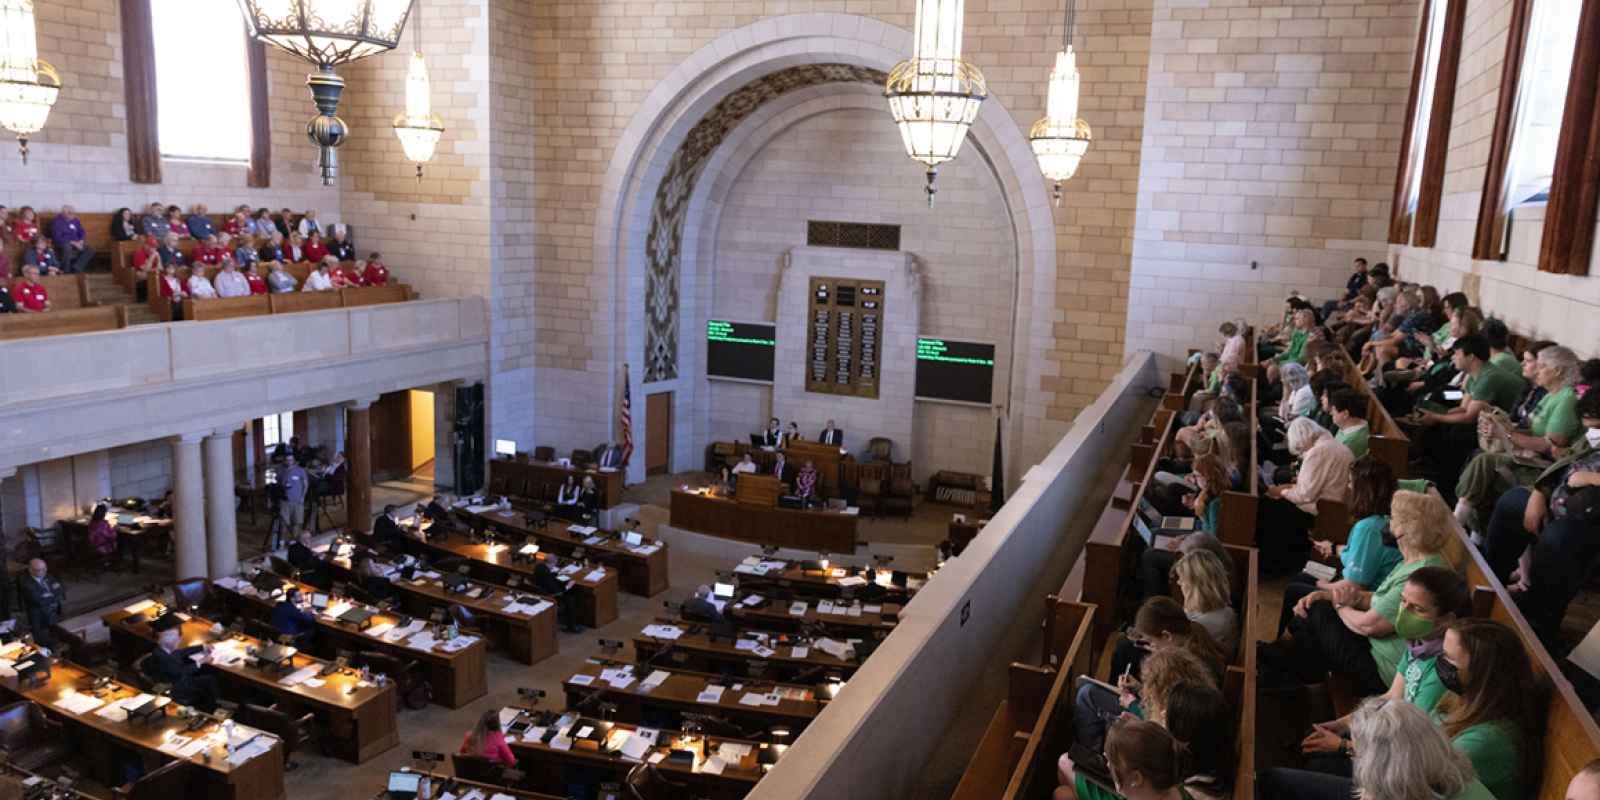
point(1202, 579)
point(1354, 632)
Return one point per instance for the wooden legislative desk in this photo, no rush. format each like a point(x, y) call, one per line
point(542, 480)
point(642, 570)
point(597, 598)
point(680, 693)
point(526, 637)
point(435, 786)
point(457, 677)
point(823, 579)
point(821, 529)
point(547, 768)
point(211, 776)
point(358, 721)
point(136, 533)
point(777, 614)
point(696, 650)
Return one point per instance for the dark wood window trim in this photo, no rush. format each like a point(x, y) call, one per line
point(260, 176)
point(1569, 219)
point(1423, 225)
point(1488, 243)
point(139, 89)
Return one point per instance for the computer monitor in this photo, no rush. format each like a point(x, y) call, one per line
point(404, 785)
point(758, 440)
point(319, 600)
point(633, 538)
point(505, 447)
point(723, 590)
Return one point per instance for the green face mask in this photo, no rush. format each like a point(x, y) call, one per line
point(1412, 627)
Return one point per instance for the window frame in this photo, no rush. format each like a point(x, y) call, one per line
point(1420, 227)
point(1569, 221)
point(243, 159)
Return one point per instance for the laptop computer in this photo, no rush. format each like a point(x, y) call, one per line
point(633, 538)
point(723, 591)
point(319, 601)
point(404, 785)
point(1162, 522)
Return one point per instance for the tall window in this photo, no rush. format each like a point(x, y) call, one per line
point(1419, 182)
point(1541, 96)
point(276, 429)
point(202, 80)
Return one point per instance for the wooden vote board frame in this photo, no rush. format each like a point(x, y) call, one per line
point(844, 336)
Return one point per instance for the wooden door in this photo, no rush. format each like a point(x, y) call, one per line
point(391, 437)
point(658, 433)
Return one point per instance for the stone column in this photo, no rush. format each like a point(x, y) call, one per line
point(358, 452)
point(222, 530)
point(188, 507)
point(6, 543)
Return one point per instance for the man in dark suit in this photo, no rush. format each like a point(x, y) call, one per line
point(386, 530)
point(290, 619)
point(699, 608)
point(175, 666)
point(611, 457)
point(42, 597)
point(831, 435)
point(773, 435)
point(548, 583)
point(301, 556)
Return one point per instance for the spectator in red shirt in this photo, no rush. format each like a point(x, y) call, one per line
point(176, 223)
point(348, 276)
point(146, 257)
point(172, 289)
point(258, 284)
point(376, 274)
point(315, 249)
point(209, 252)
point(295, 251)
point(236, 224)
point(30, 295)
point(26, 226)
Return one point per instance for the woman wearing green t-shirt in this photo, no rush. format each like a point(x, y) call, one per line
point(1553, 425)
point(1432, 600)
point(1493, 708)
point(1354, 632)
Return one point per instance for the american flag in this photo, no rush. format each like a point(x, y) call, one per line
point(625, 418)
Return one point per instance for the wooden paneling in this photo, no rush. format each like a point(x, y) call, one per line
point(391, 436)
point(58, 323)
point(658, 432)
point(825, 531)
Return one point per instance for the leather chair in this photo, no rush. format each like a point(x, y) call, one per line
point(260, 630)
point(79, 649)
point(880, 448)
point(46, 543)
point(481, 770)
point(544, 452)
point(137, 674)
point(898, 499)
point(582, 458)
point(645, 782)
point(465, 620)
point(409, 676)
point(30, 739)
point(282, 568)
point(192, 592)
point(163, 783)
point(870, 497)
point(295, 732)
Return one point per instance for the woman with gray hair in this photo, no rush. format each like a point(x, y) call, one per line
point(1399, 755)
point(1289, 511)
point(1298, 399)
point(1523, 454)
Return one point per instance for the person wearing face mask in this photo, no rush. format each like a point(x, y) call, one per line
point(1542, 539)
point(1433, 599)
point(1492, 712)
point(1350, 631)
point(176, 666)
point(1162, 624)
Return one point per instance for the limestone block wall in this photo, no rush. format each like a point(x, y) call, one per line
point(1271, 139)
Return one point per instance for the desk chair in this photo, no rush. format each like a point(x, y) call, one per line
point(163, 783)
point(409, 676)
point(30, 739)
point(294, 732)
point(260, 630)
point(880, 448)
point(46, 543)
point(79, 649)
point(544, 452)
point(193, 592)
point(282, 568)
point(465, 620)
point(645, 782)
point(482, 770)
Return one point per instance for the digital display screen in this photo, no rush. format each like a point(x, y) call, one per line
point(952, 370)
point(743, 350)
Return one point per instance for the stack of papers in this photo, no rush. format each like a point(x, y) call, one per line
point(635, 748)
point(662, 631)
point(299, 676)
point(421, 641)
point(79, 703)
point(581, 680)
point(596, 574)
point(655, 679)
point(458, 644)
point(582, 530)
point(396, 634)
point(798, 608)
point(620, 677)
point(594, 540)
point(140, 607)
point(732, 752)
point(253, 748)
point(751, 601)
point(838, 650)
point(379, 629)
point(754, 699)
point(337, 610)
point(853, 580)
point(711, 694)
point(645, 549)
point(712, 766)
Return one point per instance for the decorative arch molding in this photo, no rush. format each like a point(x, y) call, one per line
point(664, 120)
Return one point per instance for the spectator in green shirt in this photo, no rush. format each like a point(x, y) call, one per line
point(1349, 411)
point(1295, 347)
point(1500, 355)
point(1432, 600)
point(1493, 716)
point(1453, 435)
point(1553, 425)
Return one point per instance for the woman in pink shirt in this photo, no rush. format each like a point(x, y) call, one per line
point(486, 741)
point(1289, 511)
point(102, 536)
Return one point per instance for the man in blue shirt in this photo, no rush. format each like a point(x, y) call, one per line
point(295, 485)
point(155, 223)
point(290, 620)
point(66, 230)
point(199, 224)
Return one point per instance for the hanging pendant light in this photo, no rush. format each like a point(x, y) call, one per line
point(418, 127)
point(327, 33)
point(934, 95)
point(1061, 137)
point(28, 86)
